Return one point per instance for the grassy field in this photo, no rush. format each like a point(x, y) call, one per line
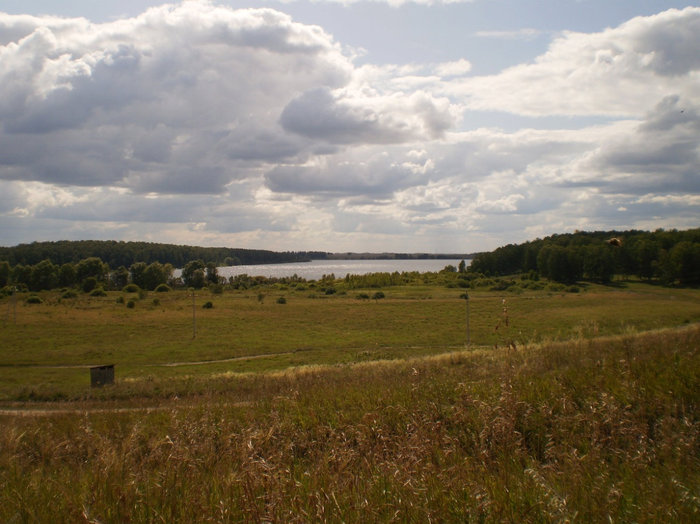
point(582, 407)
point(45, 345)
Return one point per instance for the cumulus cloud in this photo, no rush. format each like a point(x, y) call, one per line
point(160, 102)
point(197, 123)
point(346, 118)
point(661, 154)
point(614, 72)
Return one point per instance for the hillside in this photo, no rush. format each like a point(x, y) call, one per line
point(589, 431)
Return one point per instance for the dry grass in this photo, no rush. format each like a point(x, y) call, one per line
point(585, 431)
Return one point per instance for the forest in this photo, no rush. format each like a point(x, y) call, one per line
point(666, 257)
point(670, 257)
point(119, 253)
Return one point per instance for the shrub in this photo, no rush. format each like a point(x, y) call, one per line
point(120, 300)
point(362, 296)
point(69, 294)
point(156, 302)
point(98, 292)
point(573, 289)
point(281, 300)
point(555, 287)
point(208, 305)
point(378, 295)
point(216, 289)
point(162, 288)
point(131, 304)
point(33, 299)
point(89, 284)
point(131, 288)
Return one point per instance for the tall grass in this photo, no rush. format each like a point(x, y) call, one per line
point(603, 430)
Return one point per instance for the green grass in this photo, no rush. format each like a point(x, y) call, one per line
point(255, 336)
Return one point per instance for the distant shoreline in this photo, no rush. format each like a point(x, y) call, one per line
point(396, 256)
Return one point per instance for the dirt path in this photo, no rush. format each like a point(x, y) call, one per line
point(161, 365)
point(39, 412)
point(23, 411)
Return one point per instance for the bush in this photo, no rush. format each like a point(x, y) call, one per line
point(98, 292)
point(131, 304)
point(120, 300)
point(156, 302)
point(281, 300)
point(362, 296)
point(216, 289)
point(208, 305)
point(89, 284)
point(131, 288)
point(162, 288)
point(69, 294)
point(33, 299)
point(378, 295)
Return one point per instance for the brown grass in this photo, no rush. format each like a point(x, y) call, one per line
point(584, 431)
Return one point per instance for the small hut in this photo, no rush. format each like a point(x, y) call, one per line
point(101, 375)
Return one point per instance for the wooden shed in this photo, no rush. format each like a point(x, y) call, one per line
point(101, 375)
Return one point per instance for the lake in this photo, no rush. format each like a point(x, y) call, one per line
point(315, 269)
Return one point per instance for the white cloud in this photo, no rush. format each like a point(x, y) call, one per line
point(196, 123)
point(518, 34)
point(619, 71)
point(455, 68)
point(344, 117)
point(161, 102)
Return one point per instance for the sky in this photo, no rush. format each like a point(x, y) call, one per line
point(450, 126)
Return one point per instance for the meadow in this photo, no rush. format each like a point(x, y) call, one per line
point(577, 407)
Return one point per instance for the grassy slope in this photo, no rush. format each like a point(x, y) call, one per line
point(266, 336)
point(589, 430)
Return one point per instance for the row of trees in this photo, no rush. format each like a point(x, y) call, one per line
point(671, 257)
point(92, 272)
point(88, 274)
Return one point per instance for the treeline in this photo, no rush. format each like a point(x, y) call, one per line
point(89, 274)
point(119, 253)
point(390, 256)
point(670, 257)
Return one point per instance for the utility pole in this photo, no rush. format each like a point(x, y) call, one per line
point(194, 316)
point(466, 300)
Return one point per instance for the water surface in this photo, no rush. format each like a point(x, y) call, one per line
point(315, 269)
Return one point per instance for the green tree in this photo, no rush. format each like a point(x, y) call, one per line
point(562, 264)
point(156, 274)
point(44, 276)
point(682, 264)
point(598, 263)
point(22, 275)
point(647, 257)
point(137, 270)
point(67, 275)
point(212, 273)
point(91, 267)
point(5, 272)
point(120, 277)
point(193, 274)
